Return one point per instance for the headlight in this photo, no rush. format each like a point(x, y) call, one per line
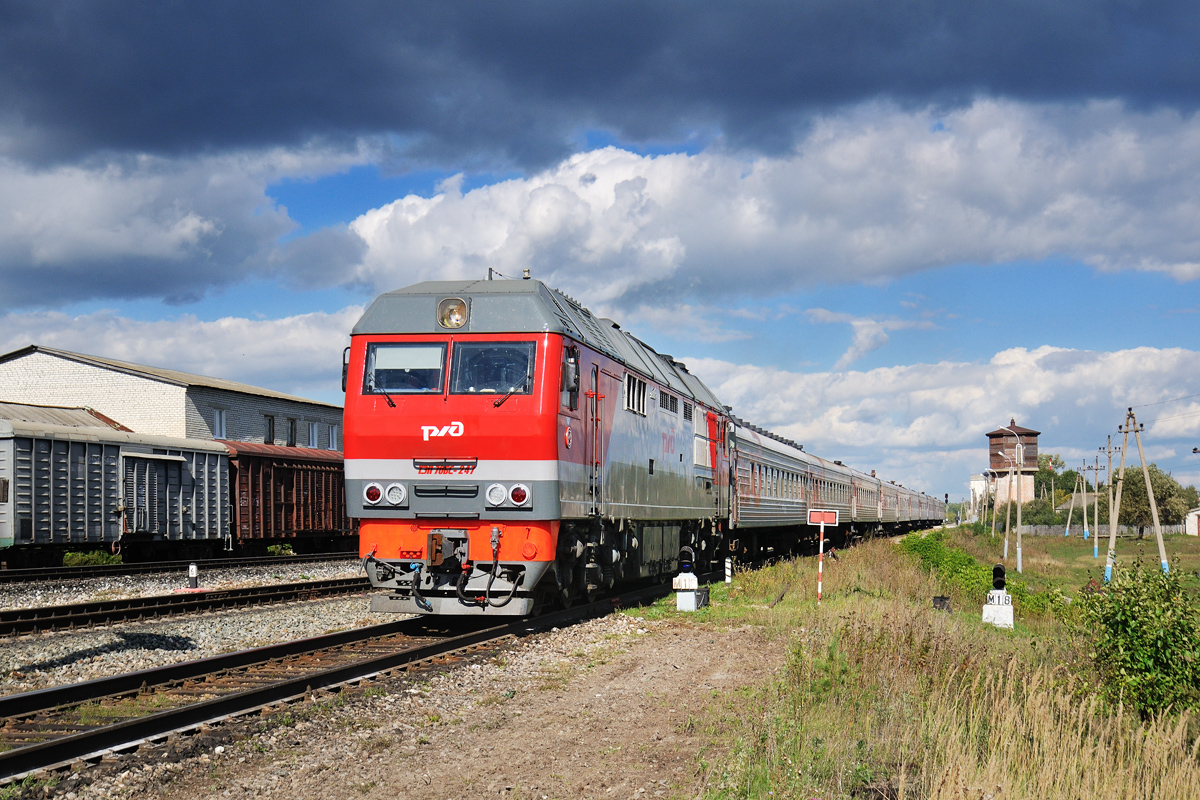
point(372, 493)
point(519, 494)
point(452, 313)
point(396, 494)
point(495, 494)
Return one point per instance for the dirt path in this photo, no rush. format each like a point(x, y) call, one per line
point(614, 708)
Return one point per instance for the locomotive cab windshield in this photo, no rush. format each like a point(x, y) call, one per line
point(492, 368)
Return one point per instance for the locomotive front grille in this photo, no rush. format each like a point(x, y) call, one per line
point(445, 490)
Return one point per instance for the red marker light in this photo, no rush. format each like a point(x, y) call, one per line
point(518, 494)
point(373, 494)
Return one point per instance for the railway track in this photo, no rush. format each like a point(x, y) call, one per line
point(38, 574)
point(105, 612)
point(55, 728)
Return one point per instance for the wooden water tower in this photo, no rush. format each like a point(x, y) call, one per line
point(1002, 456)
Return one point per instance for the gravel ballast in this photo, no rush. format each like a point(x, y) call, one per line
point(53, 659)
point(83, 590)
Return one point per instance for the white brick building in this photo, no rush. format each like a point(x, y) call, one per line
point(166, 402)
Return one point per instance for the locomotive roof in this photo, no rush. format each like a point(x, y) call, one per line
point(527, 306)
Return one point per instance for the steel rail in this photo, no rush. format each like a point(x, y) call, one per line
point(37, 574)
point(60, 752)
point(102, 612)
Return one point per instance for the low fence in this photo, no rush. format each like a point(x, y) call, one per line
point(1077, 529)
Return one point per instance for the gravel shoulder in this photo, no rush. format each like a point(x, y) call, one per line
point(116, 587)
point(618, 707)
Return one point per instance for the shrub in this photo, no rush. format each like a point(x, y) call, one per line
point(90, 558)
point(280, 550)
point(1144, 639)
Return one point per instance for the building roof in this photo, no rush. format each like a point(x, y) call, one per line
point(64, 416)
point(161, 374)
point(279, 452)
point(1012, 428)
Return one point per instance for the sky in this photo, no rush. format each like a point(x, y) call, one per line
point(878, 228)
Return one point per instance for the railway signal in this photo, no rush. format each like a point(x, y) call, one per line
point(998, 609)
point(822, 517)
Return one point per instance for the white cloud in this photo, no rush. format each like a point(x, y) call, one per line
point(924, 424)
point(299, 354)
point(870, 334)
point(151, 226)
point(868, 194)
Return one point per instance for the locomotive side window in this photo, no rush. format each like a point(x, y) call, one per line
point(404, 368)
point(492, 368)
point(570, 378)
point(635, 394)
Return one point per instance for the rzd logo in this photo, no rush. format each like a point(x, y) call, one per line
point(453, 429)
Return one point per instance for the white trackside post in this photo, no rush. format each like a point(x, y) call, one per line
point(729, 570)
point(820, 563)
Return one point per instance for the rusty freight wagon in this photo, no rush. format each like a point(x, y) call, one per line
point(289, 496)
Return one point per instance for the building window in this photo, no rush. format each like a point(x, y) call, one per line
point(268, 429)
point(219, 430)
point(635, 394)
point(687, 411)
point(333, 437)
point(291, 433)
point(312, 434)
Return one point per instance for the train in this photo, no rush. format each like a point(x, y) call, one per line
point(508, 451)
point(72, 479)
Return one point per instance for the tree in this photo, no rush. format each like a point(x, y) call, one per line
point(1049, 465)
point(1169, 496)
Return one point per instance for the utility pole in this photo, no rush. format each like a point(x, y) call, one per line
point(1019, 454)
point(1114, 505)
point(1096, 512)
point(1071, 509)
point(1131, 421)
point(1083, 477)
point(995, 479)
point(1007, 504)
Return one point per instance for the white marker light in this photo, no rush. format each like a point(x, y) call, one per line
point(495, 494)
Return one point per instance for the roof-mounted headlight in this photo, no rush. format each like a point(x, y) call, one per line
point(452, 313)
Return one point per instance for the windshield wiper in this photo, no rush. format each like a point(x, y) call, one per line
point(521, 385)
point(374, 389)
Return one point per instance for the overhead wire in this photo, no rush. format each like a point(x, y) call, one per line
point(1164, 402)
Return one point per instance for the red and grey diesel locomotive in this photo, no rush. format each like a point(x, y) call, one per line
point(505, 449)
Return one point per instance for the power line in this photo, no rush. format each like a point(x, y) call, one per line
point(1163, 402)
point(1177, 416)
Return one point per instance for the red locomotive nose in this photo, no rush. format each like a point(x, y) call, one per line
point(373, 494)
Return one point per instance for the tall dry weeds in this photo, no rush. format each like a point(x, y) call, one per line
point(884, 697)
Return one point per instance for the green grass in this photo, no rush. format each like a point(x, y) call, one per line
point(90, 558)
point(1066, 563)
point(883, 696)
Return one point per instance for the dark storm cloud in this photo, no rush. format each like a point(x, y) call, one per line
point(514, 82)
